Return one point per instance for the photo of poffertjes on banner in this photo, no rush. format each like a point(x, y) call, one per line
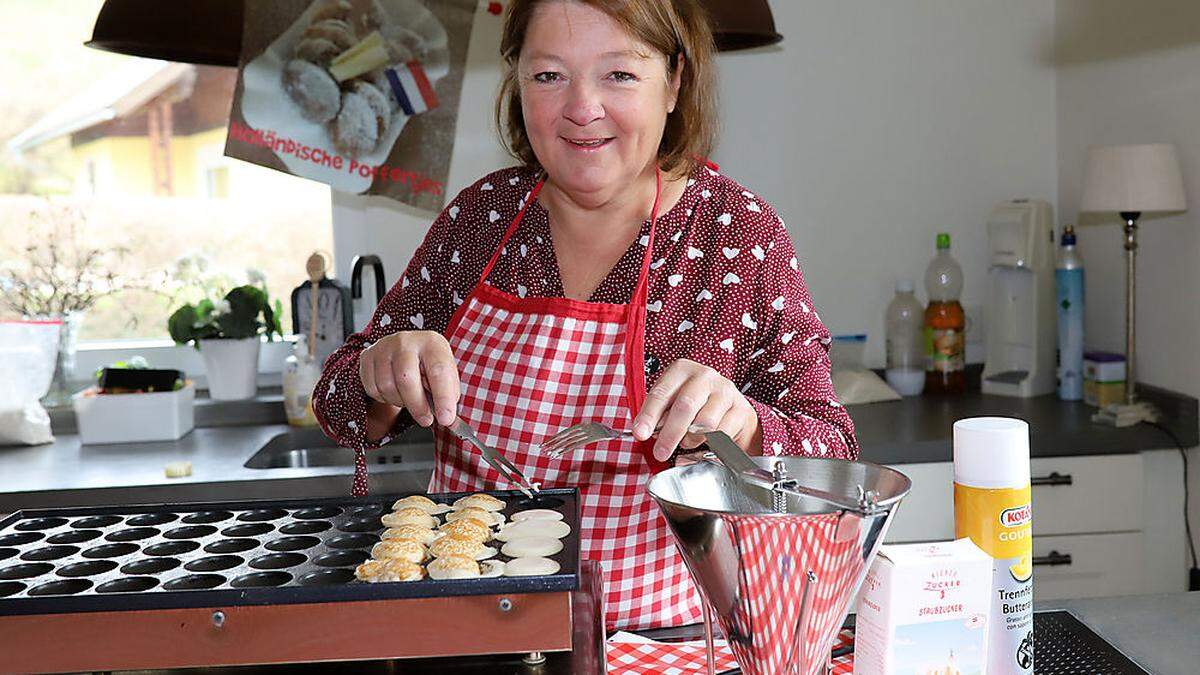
point(359, 94)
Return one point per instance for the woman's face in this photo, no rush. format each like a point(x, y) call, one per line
point(595, 99)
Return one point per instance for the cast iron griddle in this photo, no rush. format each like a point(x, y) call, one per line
point(230, 553)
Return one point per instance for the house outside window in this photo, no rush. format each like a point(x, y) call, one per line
point(135, 148)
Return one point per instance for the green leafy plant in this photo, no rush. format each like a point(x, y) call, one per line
point(136, 362)
point(244, 312)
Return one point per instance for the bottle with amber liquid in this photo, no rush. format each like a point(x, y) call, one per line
point(945, 324)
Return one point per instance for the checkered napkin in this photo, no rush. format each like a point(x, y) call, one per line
point(630, 654)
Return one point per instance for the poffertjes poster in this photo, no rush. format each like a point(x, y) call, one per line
point(359, 94)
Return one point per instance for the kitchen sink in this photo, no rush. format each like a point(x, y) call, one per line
point(301, 448)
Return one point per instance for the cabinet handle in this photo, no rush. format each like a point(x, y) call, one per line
point(1053, 558)
point(1055, 478)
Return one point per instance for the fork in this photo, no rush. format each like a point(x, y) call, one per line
point(724, 452)
point(499, 462)
point(576, 436)
point(493, 457)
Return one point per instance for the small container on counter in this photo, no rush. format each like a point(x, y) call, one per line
point(993, 507)
point(1068, 280)
point(300, 374)
point(945, 324)
point(905, 341)
point(1103, 378)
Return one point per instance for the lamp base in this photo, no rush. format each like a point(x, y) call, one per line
point(1126, 414)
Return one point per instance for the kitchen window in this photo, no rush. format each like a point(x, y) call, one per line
point(134, 148)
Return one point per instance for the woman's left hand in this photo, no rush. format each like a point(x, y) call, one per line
point(690, 394)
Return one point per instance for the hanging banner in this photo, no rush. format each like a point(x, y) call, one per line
point(359, 94)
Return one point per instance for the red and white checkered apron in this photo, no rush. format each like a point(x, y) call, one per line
point(531, 366)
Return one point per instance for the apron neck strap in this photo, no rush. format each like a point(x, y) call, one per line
point(639, 292)
point(512, 227)
point(643, 278)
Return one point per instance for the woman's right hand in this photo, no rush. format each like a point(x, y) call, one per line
point(400, 368)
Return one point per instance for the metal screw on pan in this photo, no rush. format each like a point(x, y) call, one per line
point(506, 605)
point(218, 619)
point(533, 659)
point(778, 498)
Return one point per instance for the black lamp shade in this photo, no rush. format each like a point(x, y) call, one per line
point(741, 24)
point(210, 31)
point(187, 31)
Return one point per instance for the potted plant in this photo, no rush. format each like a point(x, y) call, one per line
point(57, 277)
point(228, 333)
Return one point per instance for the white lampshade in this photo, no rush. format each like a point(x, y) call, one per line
point(1141, 178)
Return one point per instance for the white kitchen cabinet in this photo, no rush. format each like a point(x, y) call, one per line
point(1104, 511)
point(1079, 495)
point(927, 513)
point(1087, 565)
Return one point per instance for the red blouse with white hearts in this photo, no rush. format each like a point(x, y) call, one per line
point(725, 290)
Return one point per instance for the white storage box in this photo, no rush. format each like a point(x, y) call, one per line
point(128, 418)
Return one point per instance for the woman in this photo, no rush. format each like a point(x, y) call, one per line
point(611, 277)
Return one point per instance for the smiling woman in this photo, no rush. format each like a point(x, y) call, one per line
point(664, 39)
point(613, 277)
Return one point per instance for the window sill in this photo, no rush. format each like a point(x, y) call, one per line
point(265, 408)
point(92, 356)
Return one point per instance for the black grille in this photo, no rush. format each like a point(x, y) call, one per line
point(1062, 645)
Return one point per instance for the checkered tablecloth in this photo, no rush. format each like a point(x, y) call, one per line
point(655, 658)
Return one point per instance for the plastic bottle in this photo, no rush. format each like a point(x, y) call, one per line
point(300, 374)
point(905, 341)
point(1068, 279)
point(992, 507)
point(945, 324)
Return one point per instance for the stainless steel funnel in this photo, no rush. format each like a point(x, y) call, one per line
point(779, 569)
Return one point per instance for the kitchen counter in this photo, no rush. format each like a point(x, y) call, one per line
point(68, 473)
point(911, 430)
point(918, 429)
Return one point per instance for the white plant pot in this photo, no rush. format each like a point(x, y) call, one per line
point(232, 368)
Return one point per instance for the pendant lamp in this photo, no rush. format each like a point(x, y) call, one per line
point(210, 31)
point(187, 31)
point(741, 24)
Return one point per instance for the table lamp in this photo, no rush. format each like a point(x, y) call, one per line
point(1132, 180)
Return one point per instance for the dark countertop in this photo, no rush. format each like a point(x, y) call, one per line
point(912, 430)
point(918, 429)
point(68, 473)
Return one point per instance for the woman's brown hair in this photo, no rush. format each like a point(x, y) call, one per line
point(674, 28)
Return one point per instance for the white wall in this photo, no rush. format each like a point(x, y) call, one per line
point(877, 124)
point(1130, 73)
point(871, 127)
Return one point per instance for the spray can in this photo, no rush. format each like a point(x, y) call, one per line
point(1068, 280)
point(992, 507)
